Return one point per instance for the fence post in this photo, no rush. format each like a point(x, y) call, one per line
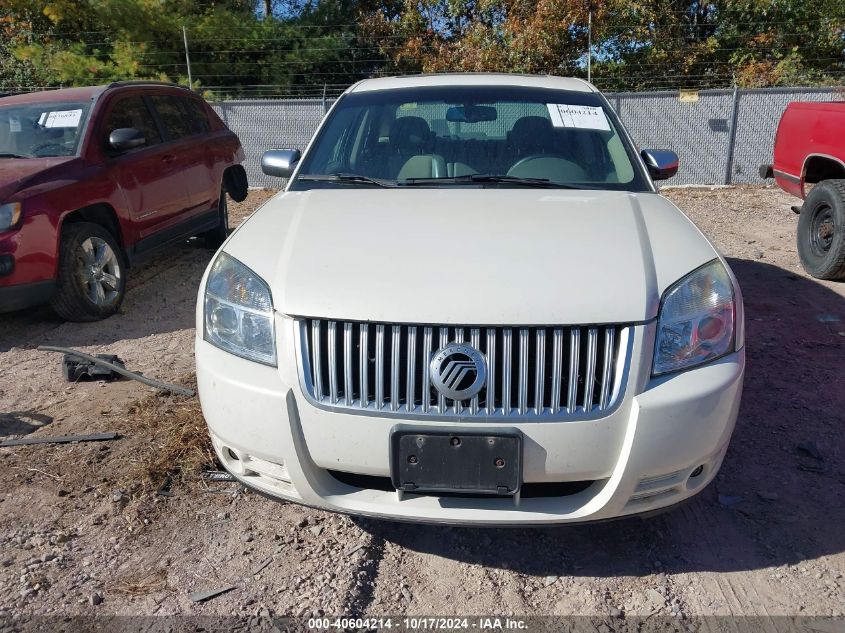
point(324, 100)
point(729, 159)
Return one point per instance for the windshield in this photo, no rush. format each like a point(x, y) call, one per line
point(31, 130)
point(471, 136)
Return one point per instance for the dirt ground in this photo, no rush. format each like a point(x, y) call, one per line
point(79, 538)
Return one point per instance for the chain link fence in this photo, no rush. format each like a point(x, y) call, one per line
point(721, 136)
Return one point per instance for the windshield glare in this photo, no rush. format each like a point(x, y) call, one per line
point(447, 135)
point(34, 130)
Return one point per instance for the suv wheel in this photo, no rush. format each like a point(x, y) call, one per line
point(91, 275)
point(215, 237)
point(821, 231)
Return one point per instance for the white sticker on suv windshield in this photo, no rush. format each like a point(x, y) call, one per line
point(14, 124)
point(578, 116)
point(63, 118)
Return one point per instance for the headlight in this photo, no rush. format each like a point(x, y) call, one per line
point(9, 215)
point(239, 311)
point(696, 320)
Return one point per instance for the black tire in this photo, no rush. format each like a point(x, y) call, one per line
point(821, 231)
point(91, 281)
point(216, 236)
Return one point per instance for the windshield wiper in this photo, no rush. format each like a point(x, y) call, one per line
point(346, 178)
point(11, 155)
point(491, 178)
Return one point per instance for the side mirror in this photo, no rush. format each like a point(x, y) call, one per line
point(125, 138)
point(280, 162)
point(661, 163)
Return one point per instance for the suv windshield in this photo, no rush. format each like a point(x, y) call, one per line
point(31, 130)
point(472, 136)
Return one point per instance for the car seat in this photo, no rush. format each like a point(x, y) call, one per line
point(411, 157)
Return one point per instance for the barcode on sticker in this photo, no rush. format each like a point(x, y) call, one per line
point(578, 116)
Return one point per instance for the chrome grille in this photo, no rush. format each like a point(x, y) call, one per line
point(559, 372)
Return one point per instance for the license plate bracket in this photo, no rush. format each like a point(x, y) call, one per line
point(444, 460)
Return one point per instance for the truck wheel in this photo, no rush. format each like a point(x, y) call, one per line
point(91, 279)
point(215, 237)
point(821, 231)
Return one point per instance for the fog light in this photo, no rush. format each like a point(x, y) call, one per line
point(697, 471)
point(7, 265)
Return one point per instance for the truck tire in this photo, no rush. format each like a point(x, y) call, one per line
point(215, 237)
point(91, 280)
point(821, 231)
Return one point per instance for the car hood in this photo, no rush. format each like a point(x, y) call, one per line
point(470, 256)
point(20, 173)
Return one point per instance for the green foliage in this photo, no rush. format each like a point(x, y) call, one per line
point(284, 46)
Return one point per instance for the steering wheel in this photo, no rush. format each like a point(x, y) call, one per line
point(578, 171)
point(43, 146)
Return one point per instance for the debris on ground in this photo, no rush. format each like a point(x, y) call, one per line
point(76, 369)
point(217, 475)
point(60, 439)
point(202, 596)
point(119, 369)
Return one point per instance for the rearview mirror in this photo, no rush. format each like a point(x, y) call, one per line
point(471, 114)
point(661, 163)
point(124, 138)
point(280, 162)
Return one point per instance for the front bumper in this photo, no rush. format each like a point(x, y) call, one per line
point(23, 296)
point(663, 443)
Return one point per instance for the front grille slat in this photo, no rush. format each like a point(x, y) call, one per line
point(590, 373)
point(534, 372)
point(539, 370)
point(490, 399)
point(441, 343)
point(395, 342)
point(379, 403)
point(364, 364)
point(557, 370)
point(348, 376)
point(426, 379)
point(410, 390)
point(332, 345)
point(574, 360)
point(316, 360)
point(506, 371)
point(609, 336)
point(522, 389)
point(475, 341)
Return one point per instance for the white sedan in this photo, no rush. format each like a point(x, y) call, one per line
point(471, 306)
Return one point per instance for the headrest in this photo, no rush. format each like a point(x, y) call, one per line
point(532, 133)
point(409, 133)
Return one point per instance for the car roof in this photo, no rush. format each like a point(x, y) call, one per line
point(81, 94)
point(474, 79)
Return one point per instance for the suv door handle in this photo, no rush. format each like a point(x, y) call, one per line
point(168, 158)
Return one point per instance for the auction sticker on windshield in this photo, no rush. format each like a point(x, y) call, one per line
point(62, 118)
point(578, 116)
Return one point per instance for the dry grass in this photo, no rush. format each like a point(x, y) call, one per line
point(177, 446)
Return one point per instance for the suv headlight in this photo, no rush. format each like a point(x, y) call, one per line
point(696, 323)
point(238, 311)
point(9, 215)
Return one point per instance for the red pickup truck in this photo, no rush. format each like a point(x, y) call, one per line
point(93, 178)
point(810, 150)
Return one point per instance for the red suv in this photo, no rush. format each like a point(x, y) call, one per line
point(92, 178)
